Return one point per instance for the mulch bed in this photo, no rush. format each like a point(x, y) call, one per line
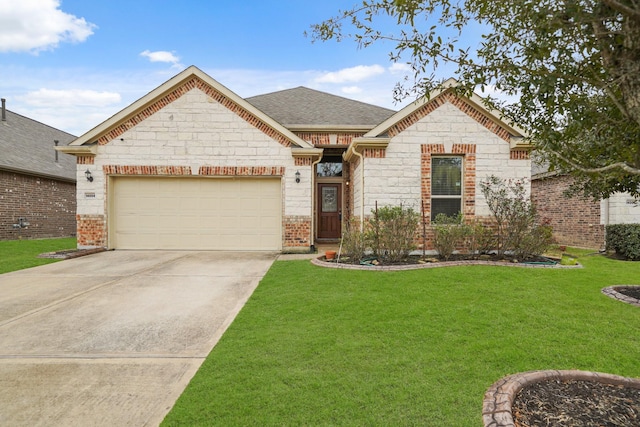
point(632, 292)
point(576, 403)
point(419, 259)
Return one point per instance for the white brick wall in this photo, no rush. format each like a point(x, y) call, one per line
point(622, 209)
point(195, 131)
point(395, 179)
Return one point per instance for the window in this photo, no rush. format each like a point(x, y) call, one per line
point(446, 186)
point(330, 167)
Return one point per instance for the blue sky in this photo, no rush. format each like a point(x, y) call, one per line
point(74, 63)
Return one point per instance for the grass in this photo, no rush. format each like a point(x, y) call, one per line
point(318, 346)
point(20, 254)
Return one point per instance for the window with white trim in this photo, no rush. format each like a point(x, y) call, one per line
point(446, 185)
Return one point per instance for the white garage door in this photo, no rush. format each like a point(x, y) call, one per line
point(196, 213)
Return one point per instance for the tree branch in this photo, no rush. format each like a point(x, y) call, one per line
point(619, 165)
point(615, 5)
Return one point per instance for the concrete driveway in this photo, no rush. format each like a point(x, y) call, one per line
point(114, 338)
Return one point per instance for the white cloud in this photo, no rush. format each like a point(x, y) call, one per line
point(351, 75)
point(351, 90)
point(35, 25)
point(72, 97)
point(161, 56)
point(399, 68)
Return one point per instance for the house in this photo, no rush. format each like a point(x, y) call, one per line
point(37, 183)
point(578, 221)
point(192, 165)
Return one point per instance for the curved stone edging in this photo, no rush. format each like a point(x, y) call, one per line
point(321, 263)
point(498, 400)
point(612, 292)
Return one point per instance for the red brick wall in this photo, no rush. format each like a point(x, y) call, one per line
point(48, 205)
point(575, 221)
point(297, 232)
point(92, 231)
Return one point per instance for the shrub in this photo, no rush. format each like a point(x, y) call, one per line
point(354, 243)
point(534, 243)
point(391, 232)
point(624, 239)
point(449, 234)
point(480, 239)
point(518, 230)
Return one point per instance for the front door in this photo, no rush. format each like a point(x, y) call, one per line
point(329, 211)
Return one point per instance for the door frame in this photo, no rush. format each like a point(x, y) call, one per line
point(330, 180)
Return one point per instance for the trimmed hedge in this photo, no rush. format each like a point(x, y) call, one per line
point(625, 240)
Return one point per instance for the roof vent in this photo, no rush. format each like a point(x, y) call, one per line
point(4, 110)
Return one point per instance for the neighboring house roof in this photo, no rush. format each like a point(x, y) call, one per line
point(190, 78)
point(27, 147)
point(302, 108)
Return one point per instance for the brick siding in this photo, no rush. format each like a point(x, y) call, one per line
point(324, 138)
point(464, 105)
point(297, 232)
point(92, 231)
point(575, 220)
point(48, 205)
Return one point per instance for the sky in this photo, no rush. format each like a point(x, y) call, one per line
point(72, 64)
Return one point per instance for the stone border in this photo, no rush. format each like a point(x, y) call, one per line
point(612, 292)
point(71, 253)
point(321, 263)
point(499, 398)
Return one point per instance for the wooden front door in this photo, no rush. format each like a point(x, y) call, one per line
point(329, 211)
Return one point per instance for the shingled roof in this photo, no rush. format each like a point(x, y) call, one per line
point(303, 108)
point(26, 146)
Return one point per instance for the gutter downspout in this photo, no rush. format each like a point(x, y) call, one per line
point(607, 218)
point(313, 203)
point(361, 157)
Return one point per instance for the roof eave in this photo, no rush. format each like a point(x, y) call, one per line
point(475, 99)
point(358, 145)
point(81, 150)
point(36, 174)
point(328, 128)
point(165, 88)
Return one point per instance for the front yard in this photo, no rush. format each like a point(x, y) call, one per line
point(318, 346)
point(20, 254)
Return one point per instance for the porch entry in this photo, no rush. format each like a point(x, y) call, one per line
point(329, 207)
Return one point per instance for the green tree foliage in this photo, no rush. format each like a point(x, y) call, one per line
point(572, 65)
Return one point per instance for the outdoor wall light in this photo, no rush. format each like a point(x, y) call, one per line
point(297, 177)
point(87, 174)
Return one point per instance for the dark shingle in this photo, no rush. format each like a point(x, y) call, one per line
point(27, 146)
point(302, 106)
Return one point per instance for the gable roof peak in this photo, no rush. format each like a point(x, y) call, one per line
point(429, 102)
point(188, 79)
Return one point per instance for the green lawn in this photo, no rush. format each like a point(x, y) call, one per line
point(318, 346)
point(19, 254)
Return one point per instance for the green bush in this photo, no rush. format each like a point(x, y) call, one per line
point(391, 232)
point(449, 234)
point(517, 224)
point(354, 243)
point(480, 239)
point(624, 239)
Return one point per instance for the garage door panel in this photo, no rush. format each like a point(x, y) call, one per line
point(196, 213)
